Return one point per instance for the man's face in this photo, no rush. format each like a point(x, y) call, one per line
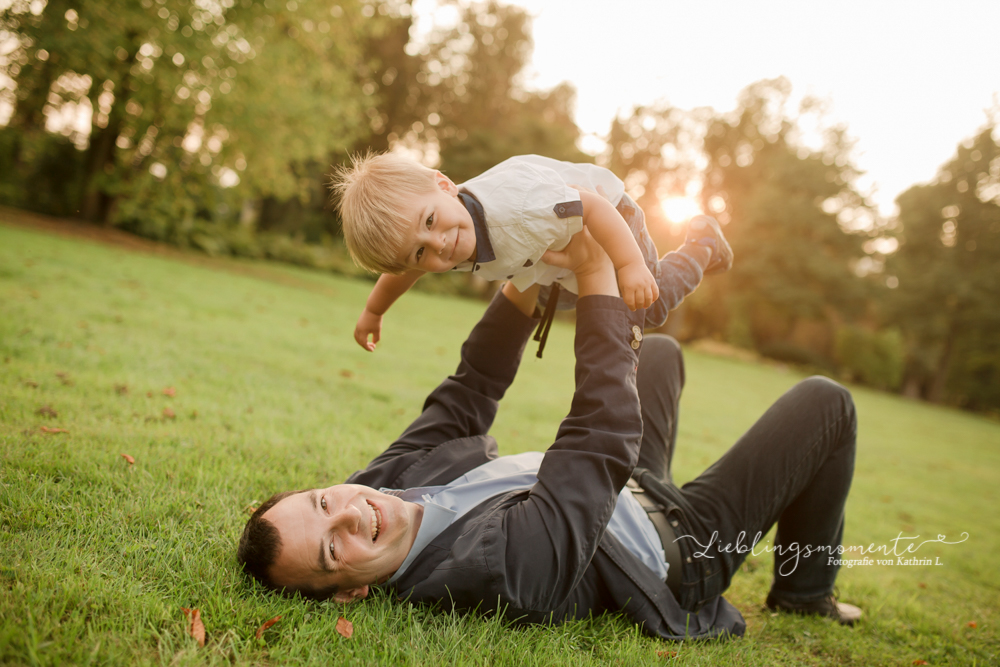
point(439, 234)
point(349, 536)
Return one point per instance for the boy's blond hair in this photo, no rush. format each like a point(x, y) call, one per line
point(373, 193)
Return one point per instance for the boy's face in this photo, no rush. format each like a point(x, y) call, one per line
point(439, 234)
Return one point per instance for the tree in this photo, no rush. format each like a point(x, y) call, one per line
point(948, 272)
point(478, 112)
point(210, 92)
point(796, 225)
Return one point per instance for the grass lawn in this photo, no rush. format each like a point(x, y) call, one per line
point(228, 380)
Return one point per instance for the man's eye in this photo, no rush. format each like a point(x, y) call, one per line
point(420, 253)
point(430, 221)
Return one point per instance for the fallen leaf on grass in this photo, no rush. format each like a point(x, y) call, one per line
point(31, 383)
point(922, 585)
point(345, 628)
point(46, 411)
point(346, 373)
point(972, 624)
point(122, 389)
point(920, 662)
point(169, 414)
point(170, 391)
point(266, 625)
point(64, 377)
point(128, 458)
point(48, 429)
point(196, 629)
point(667, 654)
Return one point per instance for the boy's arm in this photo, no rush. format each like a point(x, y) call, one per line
point(609, 229)
point(387, 289)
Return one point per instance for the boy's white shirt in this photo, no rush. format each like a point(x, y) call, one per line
point(519, 196)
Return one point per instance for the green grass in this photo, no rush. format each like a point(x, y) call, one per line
point(97, 556)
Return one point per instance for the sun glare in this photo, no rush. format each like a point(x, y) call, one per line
point(679, 210)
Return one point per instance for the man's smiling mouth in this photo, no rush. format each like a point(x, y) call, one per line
point(376, 522)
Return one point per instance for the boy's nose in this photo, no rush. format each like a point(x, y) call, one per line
point(439, 243)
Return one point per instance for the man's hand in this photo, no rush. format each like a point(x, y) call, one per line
point(595, 274)
point(369, 324)
point(637, 285)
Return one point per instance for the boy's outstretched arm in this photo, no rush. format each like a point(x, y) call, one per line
point(387, 289)
point(609, 229)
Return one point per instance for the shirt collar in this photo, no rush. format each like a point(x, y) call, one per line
point(484, 249)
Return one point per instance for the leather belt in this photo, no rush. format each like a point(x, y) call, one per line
point(671, 551)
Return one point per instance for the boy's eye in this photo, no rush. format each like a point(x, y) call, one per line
point(430, 221)
point(332, 555)
point(322, 503)
point(420, 253)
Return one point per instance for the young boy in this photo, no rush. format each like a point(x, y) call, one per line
point(403, 220)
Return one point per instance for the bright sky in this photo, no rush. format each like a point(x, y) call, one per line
point(909, 79)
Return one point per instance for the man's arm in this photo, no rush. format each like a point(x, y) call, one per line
point(465, 403)
point(387, 289)
point(552, 535)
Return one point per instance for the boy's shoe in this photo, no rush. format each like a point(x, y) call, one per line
point(705, 230)
point(843, 613)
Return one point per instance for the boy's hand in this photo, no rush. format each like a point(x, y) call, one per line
point(369, 324)
point(637, 285)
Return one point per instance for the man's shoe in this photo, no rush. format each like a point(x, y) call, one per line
point(843, 613)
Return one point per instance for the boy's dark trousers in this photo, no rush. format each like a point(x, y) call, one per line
point(793, 467)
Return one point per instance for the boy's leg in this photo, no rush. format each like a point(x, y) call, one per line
point(659, 381)
point(793, 467)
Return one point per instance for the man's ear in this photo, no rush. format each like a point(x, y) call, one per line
point(351, 595)
point(445, 183)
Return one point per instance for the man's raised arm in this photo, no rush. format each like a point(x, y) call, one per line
point(466, 402)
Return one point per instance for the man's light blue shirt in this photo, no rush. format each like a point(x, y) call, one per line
point(445, 504)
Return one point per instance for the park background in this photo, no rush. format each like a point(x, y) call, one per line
point(212, 127)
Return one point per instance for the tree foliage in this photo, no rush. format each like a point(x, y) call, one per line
point(795, 222)
point(210, 92)
point(948, 294)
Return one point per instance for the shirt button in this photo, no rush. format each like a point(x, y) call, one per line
point(637, 331)
point(635, 345)
point(674, 523)
point(688, 559)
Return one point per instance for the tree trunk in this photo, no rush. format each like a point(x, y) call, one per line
point(96, 202)
point(940, 380)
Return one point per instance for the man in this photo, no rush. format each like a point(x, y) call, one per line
point(558, 537)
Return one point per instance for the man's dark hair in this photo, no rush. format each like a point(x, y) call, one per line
point(260, 543)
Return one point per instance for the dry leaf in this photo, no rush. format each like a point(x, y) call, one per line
point(31, 383)
point(170, 391)
point(196, 629)
point(920, 662)
point(48, 429)
point(346, 373)
point(149, 394)
point(971, 624)
point(122, 389)
point(169, 414)
point(667, 654)
point(922, 585)
point(345, 628)
point(266, 625)
point(128, 458)
point(46, 411)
